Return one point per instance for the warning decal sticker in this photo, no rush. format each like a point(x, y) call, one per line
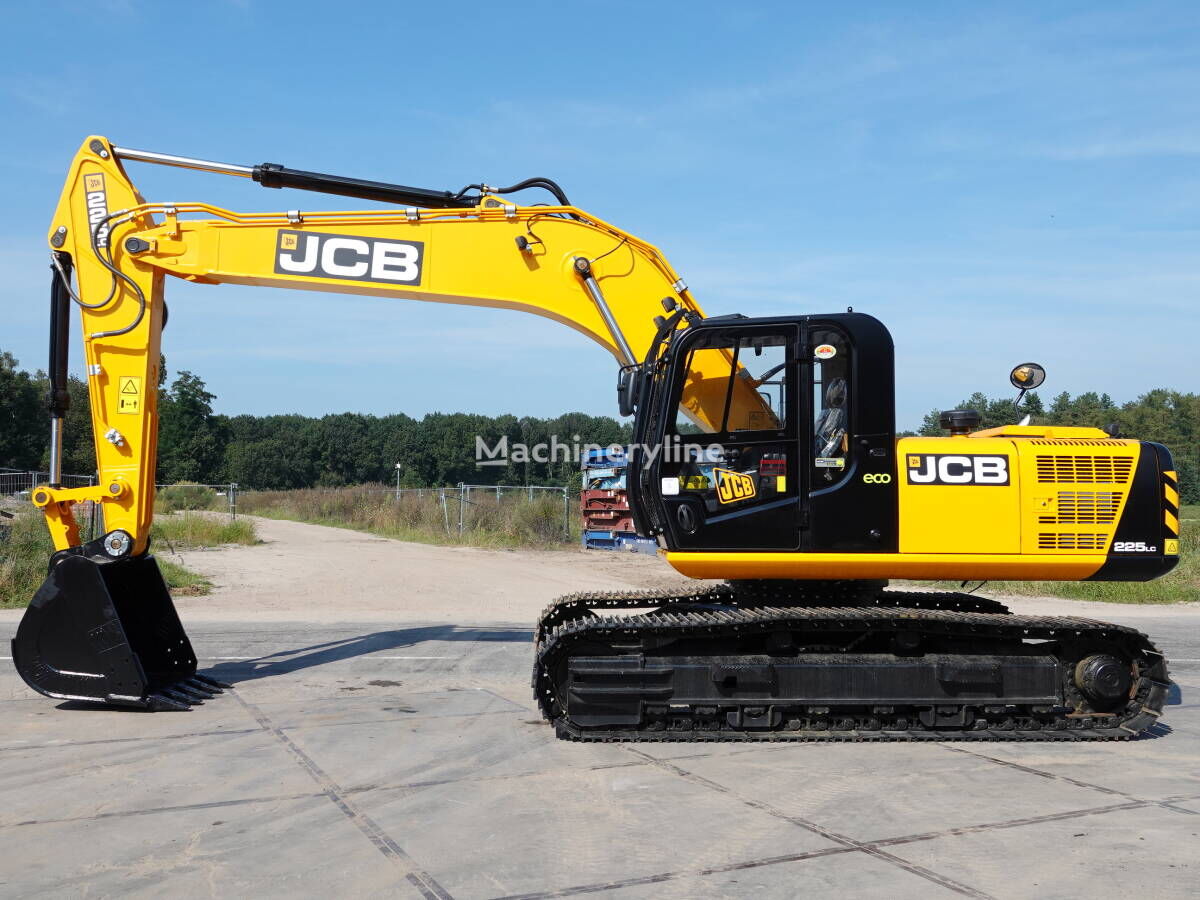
point(129, 399)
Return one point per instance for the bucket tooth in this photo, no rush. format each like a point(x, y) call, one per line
point(218, 686)
point(195, 684)
point(178, 696)
point(190, 694)
point(161, 703)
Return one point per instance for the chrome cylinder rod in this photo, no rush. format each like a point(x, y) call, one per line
point(584, 268)
point(183, 162)
point(56, 445)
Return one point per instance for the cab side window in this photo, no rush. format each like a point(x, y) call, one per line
point(831, 406)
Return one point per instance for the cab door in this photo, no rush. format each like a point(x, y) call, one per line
point(730, 471)
point(852, 503)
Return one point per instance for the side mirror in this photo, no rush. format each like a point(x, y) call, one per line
point(627, 390)
point(1027, 376)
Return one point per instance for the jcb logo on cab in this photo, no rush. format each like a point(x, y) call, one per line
point(957, 468)
point(733, 486)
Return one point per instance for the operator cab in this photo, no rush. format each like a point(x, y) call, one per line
point(773, 434)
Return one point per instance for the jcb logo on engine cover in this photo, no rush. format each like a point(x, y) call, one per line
point(957, 468)
point(349, 257)
point(733, 486)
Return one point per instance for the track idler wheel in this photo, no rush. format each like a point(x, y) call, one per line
point(104, 631)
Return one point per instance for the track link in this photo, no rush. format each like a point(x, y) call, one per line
point(751, 594)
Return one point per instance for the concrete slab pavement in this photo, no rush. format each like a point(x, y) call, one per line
point(380, 760)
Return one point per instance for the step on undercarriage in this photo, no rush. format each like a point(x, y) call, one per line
point(841, 661)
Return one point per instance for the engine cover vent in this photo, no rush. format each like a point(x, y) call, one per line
point(1085, 508)
point(1068, 541)
point(1077, 442)
point(1084, 469)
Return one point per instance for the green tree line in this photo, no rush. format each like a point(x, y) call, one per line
point(293, 451)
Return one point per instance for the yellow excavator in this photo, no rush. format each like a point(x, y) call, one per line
point(765, 457)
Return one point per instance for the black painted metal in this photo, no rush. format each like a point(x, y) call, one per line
point(1141, 523)
point(276, 176)
point(818, 514)
point(105, 632)
point(726, 663)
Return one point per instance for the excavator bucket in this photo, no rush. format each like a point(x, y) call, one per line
point(107, 632)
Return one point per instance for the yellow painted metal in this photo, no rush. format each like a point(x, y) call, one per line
point(958, 518)
point(470, 256)
point(96, 186)
point(1028, 529)
point(1046, 432)
point(1011, 567)
point(1048, 497)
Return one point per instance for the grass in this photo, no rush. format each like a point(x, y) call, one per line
point(26, 551)
point(23, 558)
point(513, 520)
point(189, 531)
point(181, 581)
point(184, 496)
point(1180, 586)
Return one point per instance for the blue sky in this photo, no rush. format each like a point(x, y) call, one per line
point(997, 184)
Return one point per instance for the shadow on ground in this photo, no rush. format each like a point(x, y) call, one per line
point(284, 662)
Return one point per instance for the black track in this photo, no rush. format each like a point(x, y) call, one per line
point(728, 614)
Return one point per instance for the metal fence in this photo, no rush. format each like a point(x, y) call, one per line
point(226, 494)
point(16, 485)
point(462, 504)
point(471, 494)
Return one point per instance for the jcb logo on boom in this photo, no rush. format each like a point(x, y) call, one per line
point(964, 468)
point(349, 257)
point(733, 486)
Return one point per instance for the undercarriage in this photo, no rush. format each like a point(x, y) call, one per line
point(840, 661)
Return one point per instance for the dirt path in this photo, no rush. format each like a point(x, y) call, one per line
point(317, 574)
